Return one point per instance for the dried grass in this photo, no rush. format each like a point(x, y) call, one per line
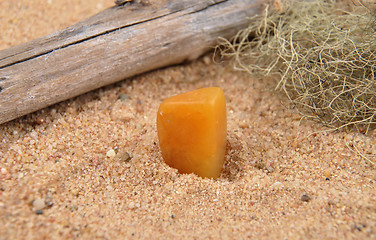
point(325, 55)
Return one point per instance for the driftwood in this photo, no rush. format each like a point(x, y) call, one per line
point(115, 44)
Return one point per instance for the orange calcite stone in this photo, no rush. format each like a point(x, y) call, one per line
point(192, 131)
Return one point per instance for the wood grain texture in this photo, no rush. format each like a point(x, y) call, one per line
point(115, 44)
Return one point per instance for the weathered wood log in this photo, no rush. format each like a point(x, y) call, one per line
point(115, 44)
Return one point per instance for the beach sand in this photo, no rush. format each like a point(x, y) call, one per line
point(91, 167)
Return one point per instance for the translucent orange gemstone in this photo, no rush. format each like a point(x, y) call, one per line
point(192, 131)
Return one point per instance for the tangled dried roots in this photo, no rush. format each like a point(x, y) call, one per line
point(325, 55)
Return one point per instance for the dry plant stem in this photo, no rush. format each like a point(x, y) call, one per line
point(360, 154)
point(117, 43)
point(325, 56)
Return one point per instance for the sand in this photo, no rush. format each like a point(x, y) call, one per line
point(91, 167)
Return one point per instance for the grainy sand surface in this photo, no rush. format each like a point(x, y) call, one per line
point(91, 168)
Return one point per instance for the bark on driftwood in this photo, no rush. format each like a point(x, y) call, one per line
point(117, 43)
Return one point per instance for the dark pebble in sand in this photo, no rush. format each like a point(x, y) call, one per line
point(305, 198)
point(39, 212)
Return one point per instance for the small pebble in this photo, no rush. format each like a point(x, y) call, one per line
point(327, 174)
point(276, 185)
point(33, 134)
point(38, 204)
point(39, 212)
point(49, 203)
point(243, 125)
point(40, 120)
point(207, 60)
point(131, 205)
point(305, 198)
point(111, 153)
point(3, 171)
point(124, 97)
point(269, 169)
point(123, 156)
